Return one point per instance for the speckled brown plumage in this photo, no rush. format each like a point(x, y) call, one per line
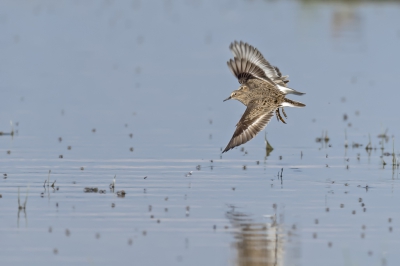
point(263, 90)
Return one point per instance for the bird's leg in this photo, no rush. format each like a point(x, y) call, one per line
point(278, 116)
point(283, 112)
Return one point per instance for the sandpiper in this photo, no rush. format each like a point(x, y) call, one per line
point(263, 90)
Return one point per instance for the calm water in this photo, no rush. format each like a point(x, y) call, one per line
point(78, 77)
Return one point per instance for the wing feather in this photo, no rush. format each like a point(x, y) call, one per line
point(254, 119)
point(243, 50)
point(245, 70)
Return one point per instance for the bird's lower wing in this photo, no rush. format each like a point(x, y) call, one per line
point(254, 119)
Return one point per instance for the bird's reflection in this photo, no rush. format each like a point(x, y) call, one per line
point(257, 243)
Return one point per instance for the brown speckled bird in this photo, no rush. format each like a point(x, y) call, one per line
point(263, 90)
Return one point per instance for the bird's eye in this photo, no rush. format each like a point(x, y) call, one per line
point(234, 94)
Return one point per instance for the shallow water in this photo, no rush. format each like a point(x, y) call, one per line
point(92, 73)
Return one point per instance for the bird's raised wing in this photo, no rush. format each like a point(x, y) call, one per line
point(244, 70)
point(245, 51)
point(254, 119)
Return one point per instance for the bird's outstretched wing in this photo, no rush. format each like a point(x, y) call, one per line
point(244, 70)
point(254, 119)
point(245, 51)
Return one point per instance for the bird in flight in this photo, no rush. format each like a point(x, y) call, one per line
point(262, 89)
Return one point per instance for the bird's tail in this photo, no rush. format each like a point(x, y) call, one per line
point(291, 103)
point(287, 90)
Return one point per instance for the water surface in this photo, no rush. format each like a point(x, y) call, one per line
point(87, 74)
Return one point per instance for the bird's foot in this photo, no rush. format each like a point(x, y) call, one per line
point(278, 115)
point(283, 112)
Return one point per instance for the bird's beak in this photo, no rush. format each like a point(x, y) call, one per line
point(228, 98)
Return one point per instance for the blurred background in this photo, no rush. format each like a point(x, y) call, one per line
point(161, 66)
point(135, 88)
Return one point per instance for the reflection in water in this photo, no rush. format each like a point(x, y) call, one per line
point(258, 243)
point(26, 218)
point(22, 207)
point(346, 23)
point(11, 133)
point(268, 147)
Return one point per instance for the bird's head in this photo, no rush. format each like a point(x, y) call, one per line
point(238, 94)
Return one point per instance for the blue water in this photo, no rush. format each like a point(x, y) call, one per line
point(92, 73)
